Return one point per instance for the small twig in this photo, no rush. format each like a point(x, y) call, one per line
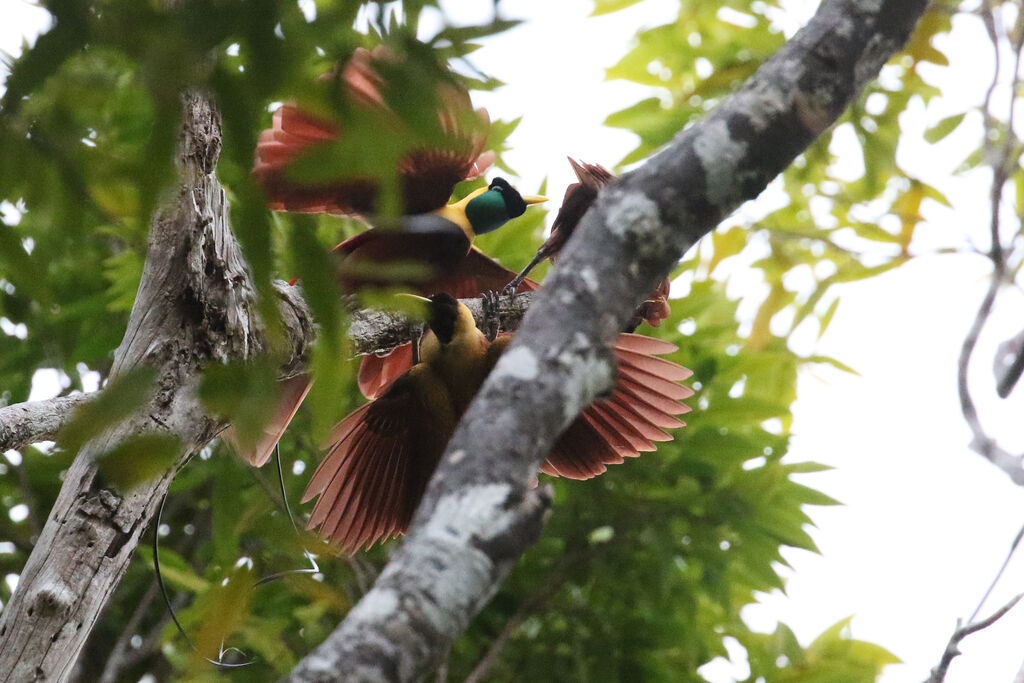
point(999, 574)
point(29, 498)
point(120, 655)
point(938, 674)
point(364, 572)
point(556, 580)
point(961, 632)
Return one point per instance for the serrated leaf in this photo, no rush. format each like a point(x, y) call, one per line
point(826, 318)
point(828, 360)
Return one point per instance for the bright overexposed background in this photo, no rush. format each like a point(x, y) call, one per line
point(925, 522)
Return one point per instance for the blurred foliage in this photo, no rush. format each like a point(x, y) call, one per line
point(640, 574)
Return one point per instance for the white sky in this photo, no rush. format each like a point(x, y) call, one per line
point(926, 523)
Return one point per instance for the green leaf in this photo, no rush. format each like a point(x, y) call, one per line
point(944, 127)
point(826, 318)
point(245, 394)
point(609, 6)
point(175, 570)
point(839, 365)
point(121, 398)
point(463, 34)
point(138, 459)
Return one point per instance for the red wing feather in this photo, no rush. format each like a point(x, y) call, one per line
point(379, 462)
point(637, 441)
point(376, 373)
point(580, 452)
point(621, 405)
point(639, 343)
point(433, 244)
point(652, 365)
point(428, 176)
point(643, 402)
point(473, 275)
point(293, 392)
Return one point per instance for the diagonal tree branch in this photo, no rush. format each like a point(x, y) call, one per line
point(478, 514)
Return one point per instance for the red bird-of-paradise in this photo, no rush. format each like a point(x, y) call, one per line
point(381, 456)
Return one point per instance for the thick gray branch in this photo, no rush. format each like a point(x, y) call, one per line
point(479, 515)
point(374, 331)
point(195, 305)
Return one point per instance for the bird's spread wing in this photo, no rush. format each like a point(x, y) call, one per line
point(643, 403)
point(428, 176)
point(293, 392)
point(379, 461)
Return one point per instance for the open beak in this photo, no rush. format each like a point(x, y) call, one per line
point(534, 199)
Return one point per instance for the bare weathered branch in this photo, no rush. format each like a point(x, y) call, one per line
point(26, 423)
point(938, 674)
point(479, 514)
point(1000, 159)
point(375, 331)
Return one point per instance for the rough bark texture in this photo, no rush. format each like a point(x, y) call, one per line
point(478, 515)
point(35, 421)
point(373, 331)
point(195, 305)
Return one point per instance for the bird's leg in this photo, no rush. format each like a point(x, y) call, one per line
point(416, 349)
point(512, 287)
point(491, 304)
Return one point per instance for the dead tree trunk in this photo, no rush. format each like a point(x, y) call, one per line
point(195, 305)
